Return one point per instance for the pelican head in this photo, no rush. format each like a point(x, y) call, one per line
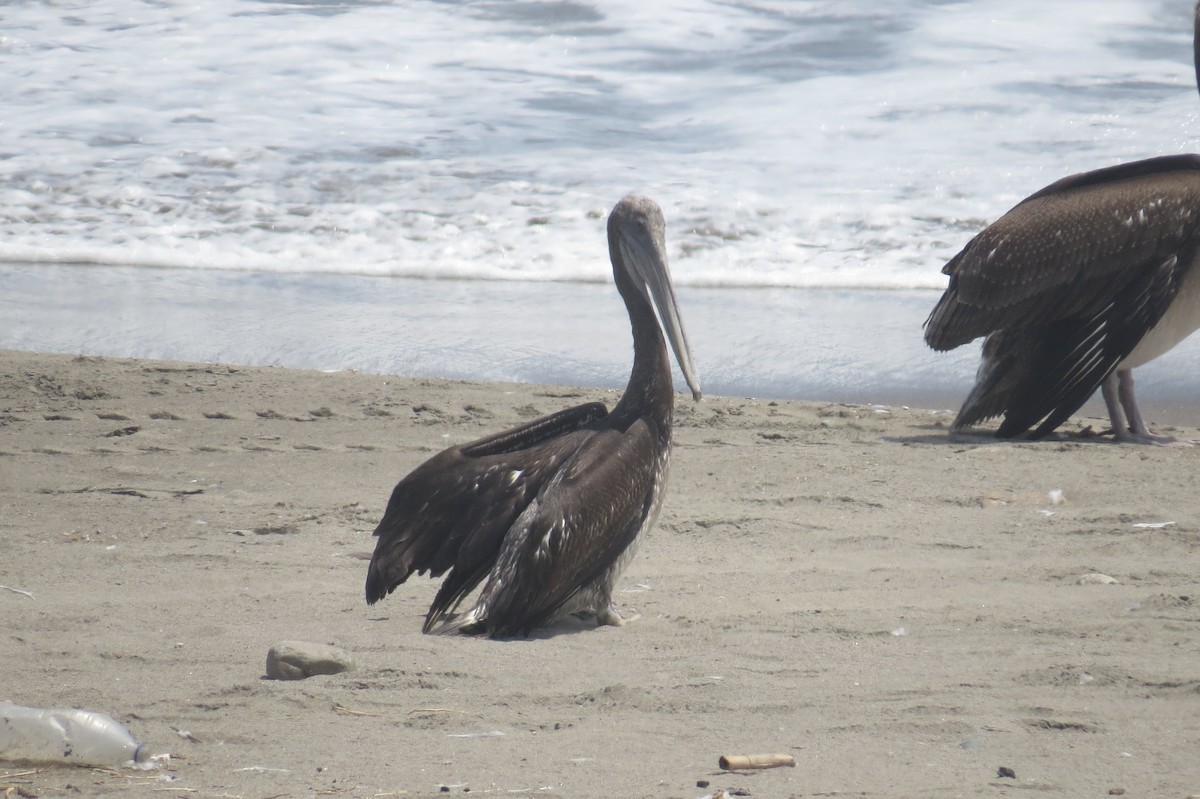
point(638, 243)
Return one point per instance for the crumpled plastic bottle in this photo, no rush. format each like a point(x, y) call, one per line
point(68, 735)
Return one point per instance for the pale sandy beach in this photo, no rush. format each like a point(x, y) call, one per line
point(903, 611)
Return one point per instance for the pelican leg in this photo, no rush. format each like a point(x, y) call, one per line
point(1137, 425)
point(1137, 432)
point(1110, 390)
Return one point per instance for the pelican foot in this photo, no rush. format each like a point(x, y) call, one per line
point(1150, 439)
point(1179, 443)
point(613, 617)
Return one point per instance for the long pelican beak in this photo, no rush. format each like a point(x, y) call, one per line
point(644, 249)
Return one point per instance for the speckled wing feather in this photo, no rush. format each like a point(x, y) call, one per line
point(582, 520)
point(1065, 251)
point(434, 520)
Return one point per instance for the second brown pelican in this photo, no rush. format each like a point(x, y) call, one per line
point(547, 515)
point(1074, 287)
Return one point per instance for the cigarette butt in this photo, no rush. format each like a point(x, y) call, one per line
point(739, 762)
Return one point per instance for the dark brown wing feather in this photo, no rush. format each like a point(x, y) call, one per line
point(1076, 355)
point(435, 520)
point(581, 521)
point(1040, 375)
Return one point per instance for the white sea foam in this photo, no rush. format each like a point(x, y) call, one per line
point(850, 143)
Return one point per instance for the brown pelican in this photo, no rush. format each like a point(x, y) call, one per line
point(1075, 287)
point(548, 515)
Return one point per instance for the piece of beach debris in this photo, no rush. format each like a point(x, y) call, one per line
point(996, 499)
point(298, 660)
point(1006, 773)
point(742, 762)
point(1153, 525)
point(9, 789)
point(1096, 578)
point(123, 431)
point(186, 735)
point(1002, 498)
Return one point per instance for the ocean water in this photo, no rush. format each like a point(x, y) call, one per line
point(420, 187)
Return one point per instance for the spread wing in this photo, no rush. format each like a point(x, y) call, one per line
point(453, 511)
point(580, 523)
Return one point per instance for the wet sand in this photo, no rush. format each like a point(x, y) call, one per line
point(903, 611)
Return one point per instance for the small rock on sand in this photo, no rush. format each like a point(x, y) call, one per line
point(297, 660)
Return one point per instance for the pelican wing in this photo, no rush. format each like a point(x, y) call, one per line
point(581, 522)
point(1068, 250)
point(1062, 364)
point(454, 509)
